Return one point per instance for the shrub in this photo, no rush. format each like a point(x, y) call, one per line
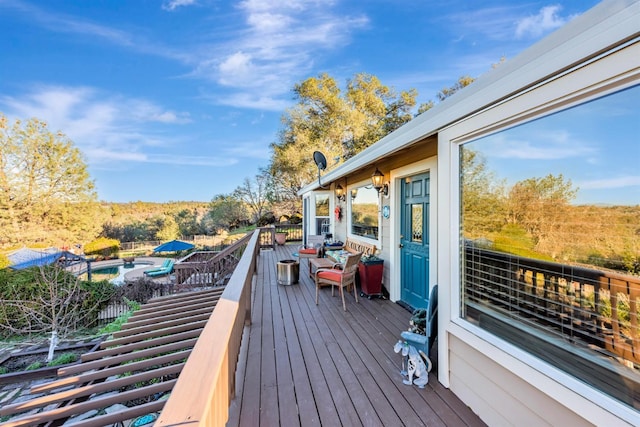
point(63, 359)
point(266, 219)
point(34, 366)
point(33, 296)
point(102, 247)
point(296, 218)
point(4, 261)
point(116, 325)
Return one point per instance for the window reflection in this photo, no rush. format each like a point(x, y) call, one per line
point(551, 249)
point(364, 212)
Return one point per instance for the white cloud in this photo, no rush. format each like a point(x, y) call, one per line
point(190, 160)
point(502, 23)
point(104, 127)
point(553, 145)
point(494, 23)
point(277, 45)
point(248, 99)
point(546, 20)
point(609, 183)
point(235, 69)
point(174, 4)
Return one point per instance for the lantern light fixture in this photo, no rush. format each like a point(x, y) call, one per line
point(340, 193)
point(377, 180)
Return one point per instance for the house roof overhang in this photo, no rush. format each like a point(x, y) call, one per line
point(610, 24)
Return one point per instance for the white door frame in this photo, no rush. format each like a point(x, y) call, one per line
point(426, 165)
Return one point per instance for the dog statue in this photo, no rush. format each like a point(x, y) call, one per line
point(416, 367)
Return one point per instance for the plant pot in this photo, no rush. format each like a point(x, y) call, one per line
point(281, 238)
point(370, 274)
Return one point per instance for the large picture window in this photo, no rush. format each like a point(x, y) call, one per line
point(550, 240)
point(364, 212)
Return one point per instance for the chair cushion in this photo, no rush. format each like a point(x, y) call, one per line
point(333, 275)
point(309, 251)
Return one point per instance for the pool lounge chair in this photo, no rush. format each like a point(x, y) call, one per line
point(165, 268)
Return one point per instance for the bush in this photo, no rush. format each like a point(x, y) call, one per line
point(34, 366)
point(27, 287)
point(266, 219)
point(116, 325)
point(296, 218)
point(140, 290)
point(4, 261)
point(102, 247)
point(63, 359)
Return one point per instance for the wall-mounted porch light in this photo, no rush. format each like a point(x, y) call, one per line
point(340, 194)
point(354, 193)
point(377, 179)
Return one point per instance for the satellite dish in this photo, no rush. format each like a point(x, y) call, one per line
point(321, 162)
point(320, 159)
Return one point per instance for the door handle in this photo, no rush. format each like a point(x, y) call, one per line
point(401, 246)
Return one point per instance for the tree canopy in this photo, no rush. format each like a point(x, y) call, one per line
point(46, 192)
point(338, 123)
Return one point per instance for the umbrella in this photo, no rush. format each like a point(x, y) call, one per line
point(173, 246)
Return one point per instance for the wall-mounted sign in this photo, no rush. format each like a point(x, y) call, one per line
point(386, 212)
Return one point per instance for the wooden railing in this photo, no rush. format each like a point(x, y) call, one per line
point(206, 269)
point(294, 231)
point(267, 234)
point(597, 308)
point(207, 383)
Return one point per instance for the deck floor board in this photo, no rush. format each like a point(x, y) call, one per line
point(312, 365)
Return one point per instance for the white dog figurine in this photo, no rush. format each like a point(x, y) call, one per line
point(416, 367)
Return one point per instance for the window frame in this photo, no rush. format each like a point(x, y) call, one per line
point(350, 234)
point(594, 78)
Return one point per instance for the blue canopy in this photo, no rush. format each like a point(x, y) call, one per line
point(25, 258)
point(174, 246)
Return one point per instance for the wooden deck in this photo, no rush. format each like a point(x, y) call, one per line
point(314, 365)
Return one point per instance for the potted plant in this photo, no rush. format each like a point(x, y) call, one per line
point(281, 238)
point(370, 271)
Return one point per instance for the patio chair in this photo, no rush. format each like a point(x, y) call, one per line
point(312, 248)
point(339, 277)
point(424, 343)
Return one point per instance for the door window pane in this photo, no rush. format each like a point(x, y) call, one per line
point(416, 222)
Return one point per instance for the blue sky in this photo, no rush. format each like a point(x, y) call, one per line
point(180, 99)
point(595, 145)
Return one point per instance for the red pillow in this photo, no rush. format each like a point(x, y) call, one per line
point(308, 251)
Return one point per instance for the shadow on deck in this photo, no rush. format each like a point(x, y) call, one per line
point(304, 364)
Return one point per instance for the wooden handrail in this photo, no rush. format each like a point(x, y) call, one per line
point(200, 269)
point(212, 363)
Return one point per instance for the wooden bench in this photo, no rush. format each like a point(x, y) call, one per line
point(354, 246)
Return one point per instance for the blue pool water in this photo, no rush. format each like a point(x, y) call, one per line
point(116, 273)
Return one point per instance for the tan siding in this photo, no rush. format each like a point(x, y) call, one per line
point(499, 397)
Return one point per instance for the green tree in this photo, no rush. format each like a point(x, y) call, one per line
point(164, 227)
point(226, 212)
point(339, 124)
point(483, 201)
point(46, 193)
point(540, 206)
point(446, 92)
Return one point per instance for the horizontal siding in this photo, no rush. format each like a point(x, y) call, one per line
point(498, 396)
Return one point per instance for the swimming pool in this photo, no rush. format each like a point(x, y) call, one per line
point(115, 274)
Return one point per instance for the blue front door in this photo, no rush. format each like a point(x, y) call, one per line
point(414, 240)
